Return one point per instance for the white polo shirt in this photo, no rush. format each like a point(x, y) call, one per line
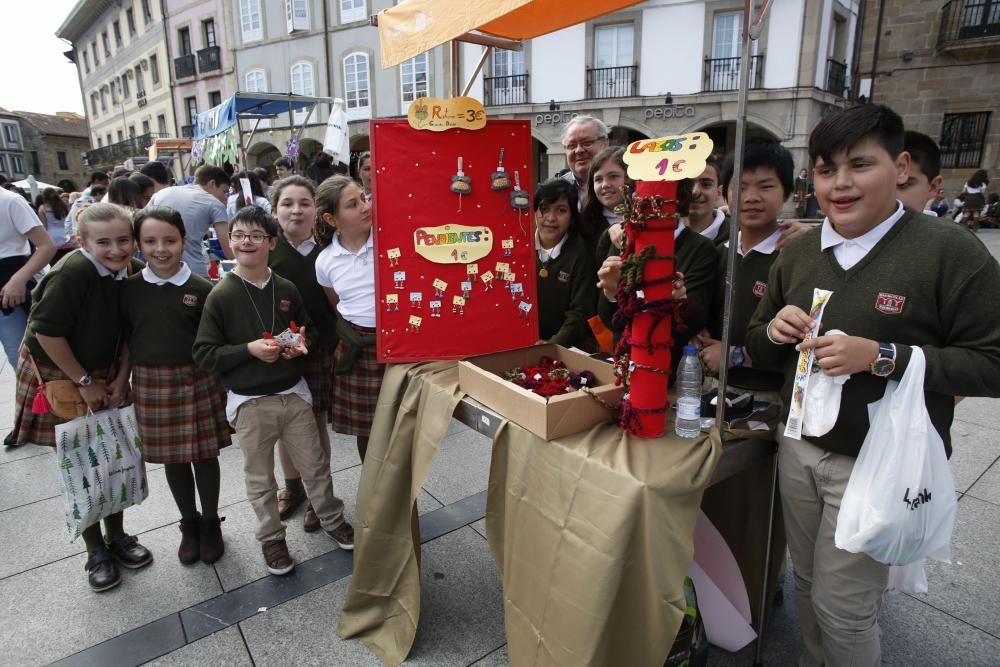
point(352, 276)
point(849, 252)
point(17, 219)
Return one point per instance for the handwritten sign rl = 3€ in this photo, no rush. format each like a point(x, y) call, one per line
point(668, 158)
point(452, 244)
point(439, 115)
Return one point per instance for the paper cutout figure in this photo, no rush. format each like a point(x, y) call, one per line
point(499, 179)
point(466, 288)
point(523, 310)
point(502, 268)
point(435, 307)
point(487, 279)
point(416, 300)
point(472, 269)
point(508, 247)
point(393, 254)
point(413, 324)
point(515, 289)
point(398, 279)
point(439, 287)
point(391, 303)
point(458, 305)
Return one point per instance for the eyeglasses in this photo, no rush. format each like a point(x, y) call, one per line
point(255, 238)
point(583, 144)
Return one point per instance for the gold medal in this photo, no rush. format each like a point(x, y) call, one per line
point(543, 272)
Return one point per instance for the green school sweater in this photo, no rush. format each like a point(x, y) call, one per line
point(74, 302)
point(161, 320)
point(300, 269)
point(566, 297)
point(924, 283)
point(749, 285)
point(229, 322)
point(696, 258)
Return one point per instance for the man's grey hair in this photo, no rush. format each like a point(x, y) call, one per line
point(599, 126)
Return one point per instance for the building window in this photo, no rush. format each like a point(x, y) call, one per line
point(126, 93)
point(413, 80)
point(63, 162)
point(100, 142)
point(3, 164)
point(356, 86)
point(297, 15)
point(963, 136)
point(130, 20)
point(147, 12)
point(191, 107)
point(108, 138)
point(10, 134)
point(106, 43)
point(131, 131)
point(145, 127)
point(214, 98)
point(255, 81)
point(506, 82)
point(184, 41)
point(16, 165)
point(93, 103)
point(208, 32)
point(161, 124)
point(116, 27)
point(302, 84)
point(114, 93)
point(250, 22)
point(613, 45)
point(93, 49)
point(121, 136)
point(352, 10)
point(140, 84)
point(86, 61)
point(104, 99)
point(154, 69)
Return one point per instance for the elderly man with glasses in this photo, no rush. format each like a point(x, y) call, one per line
point(584, 137)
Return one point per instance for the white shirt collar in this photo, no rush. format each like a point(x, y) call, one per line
point(830, 238)
point(712, 231)
point(612, 217)
point(102, 270)
point(261, 285)
point(553, 252)
point(305, 247)
point(765, 247)
point(338, 249)
point(680, 229)
point(178, 279)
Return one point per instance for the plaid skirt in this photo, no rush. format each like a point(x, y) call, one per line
point(28, 426)
point(319, 376)
point(357, 392)
point(181, 410)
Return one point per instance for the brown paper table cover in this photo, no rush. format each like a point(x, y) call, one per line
point(592, 533)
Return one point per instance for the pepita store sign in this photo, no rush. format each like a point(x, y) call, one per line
point(668, 111)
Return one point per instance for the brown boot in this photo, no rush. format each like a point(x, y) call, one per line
point(189, 549)
point(310, 522)
point(212, 546)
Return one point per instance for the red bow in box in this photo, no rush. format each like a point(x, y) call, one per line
point(549, 377)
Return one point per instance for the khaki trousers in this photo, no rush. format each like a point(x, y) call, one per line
point(839, 593)
point(260, 423)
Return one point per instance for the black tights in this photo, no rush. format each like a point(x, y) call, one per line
point(113, 527)
point(182, 480)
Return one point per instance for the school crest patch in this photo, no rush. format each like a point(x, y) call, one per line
point(890, 304)
point(284, 305)
point(564, 276)
point(190, 300)
point(759, 288)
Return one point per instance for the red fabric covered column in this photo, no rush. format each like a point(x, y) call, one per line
point(651, 227)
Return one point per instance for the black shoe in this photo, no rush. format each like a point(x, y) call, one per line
point(102, 573)
point(129, 553)
point(9, 441)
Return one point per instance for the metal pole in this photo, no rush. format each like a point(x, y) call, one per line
point(750, 32)
point(479, 67)
point(765, 593)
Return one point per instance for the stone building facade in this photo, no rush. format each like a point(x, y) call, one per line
point(54, 147)
point(938, 65)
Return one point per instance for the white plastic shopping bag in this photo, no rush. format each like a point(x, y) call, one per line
point(821, 405)
point(100, 455)
point(910, 578)
point(899, 506)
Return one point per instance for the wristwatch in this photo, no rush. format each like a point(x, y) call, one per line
point(885, 362)
point(737, 357)
point(85, 381)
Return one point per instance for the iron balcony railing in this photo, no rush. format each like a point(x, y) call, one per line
point(131, 147)
point(184, 66)
point(836, 78)
point(724, 73)
point(605, 82)
point(968, 19)
point(500, 90)
point(209, 59)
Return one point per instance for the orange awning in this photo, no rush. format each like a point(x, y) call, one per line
point(415, 26)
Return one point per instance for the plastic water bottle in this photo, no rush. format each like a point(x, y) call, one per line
point(688, 422)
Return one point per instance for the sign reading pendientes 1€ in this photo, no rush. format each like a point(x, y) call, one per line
point(452, 244)
point(438, 115)
point(668, 158)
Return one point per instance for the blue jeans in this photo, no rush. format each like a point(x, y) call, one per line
point(11, 332)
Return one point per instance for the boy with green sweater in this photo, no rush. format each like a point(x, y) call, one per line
point(899, 278)
point(268, 399)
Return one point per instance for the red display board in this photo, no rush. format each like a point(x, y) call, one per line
point(455, 241)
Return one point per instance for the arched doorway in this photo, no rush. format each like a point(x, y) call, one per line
point(359, 144)
point(262, 154)
point(308, 150)
point(723, 135)
point(540, 160)
point(623, 136)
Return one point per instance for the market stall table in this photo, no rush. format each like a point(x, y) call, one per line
point(592, 533)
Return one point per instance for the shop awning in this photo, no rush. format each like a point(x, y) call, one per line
point(415, 26)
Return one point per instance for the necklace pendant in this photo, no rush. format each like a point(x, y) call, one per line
point(543, 272)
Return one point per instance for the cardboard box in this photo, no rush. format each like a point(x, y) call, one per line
point(480, 377)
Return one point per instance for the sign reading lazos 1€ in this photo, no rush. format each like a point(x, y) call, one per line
point(668, 158)
point(438, 115)
point(452, 244)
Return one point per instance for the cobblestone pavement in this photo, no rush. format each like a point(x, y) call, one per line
point(233, 613)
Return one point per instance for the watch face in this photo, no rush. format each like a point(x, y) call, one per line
point(883, 367)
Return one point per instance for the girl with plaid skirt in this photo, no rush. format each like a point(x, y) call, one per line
point(346, 270)
point(294, 258)
point(74, 333)
point(181, 408)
